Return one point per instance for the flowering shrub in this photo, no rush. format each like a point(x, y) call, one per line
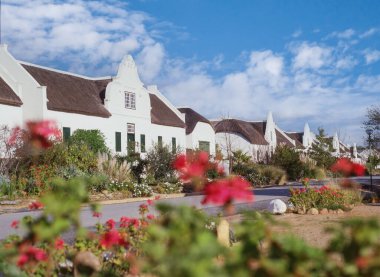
point(323, 197)
point(178, 242)
point(140, 190)
point(168, 188)
point(347, 168)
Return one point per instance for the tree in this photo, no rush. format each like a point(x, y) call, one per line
point(372, 126)
point(321, 150)
point(94, 139)
point(288, 159)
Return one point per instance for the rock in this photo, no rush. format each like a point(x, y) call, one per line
point(223, 232)
point(277, 206)
point(324, 211)
point(312, 211)
point(339, 211)
point(301, 210)
point(86, 264)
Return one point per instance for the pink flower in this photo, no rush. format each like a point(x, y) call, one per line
point(59, 244)
point(125, 222)
point(15, 224)
point(149, 202)
point(30, 253)
point(35, 205)
point(150, 217)
point(192, 166)
point(96, 214)
point(110, 223)
point(157, 197)
point(226, 190)
point(15, 134)
point(348, 168)
point(143, 207)
point(41, 132)
point(111, 238)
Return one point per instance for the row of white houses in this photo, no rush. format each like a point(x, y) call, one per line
point(129, 113)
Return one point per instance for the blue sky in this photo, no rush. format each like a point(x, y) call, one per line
point(315, 61)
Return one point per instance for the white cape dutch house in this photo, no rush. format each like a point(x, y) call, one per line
point(122, 108)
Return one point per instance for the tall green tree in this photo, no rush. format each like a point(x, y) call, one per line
point(372, 126)
point(321, 150)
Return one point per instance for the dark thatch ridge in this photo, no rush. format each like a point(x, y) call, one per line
point(161, 114)
point(243, 128)
point(281, 139)
point(71, 94)
point(192, 118)
point(8, 96)
point(298, 137)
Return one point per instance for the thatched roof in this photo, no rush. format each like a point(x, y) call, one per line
point(161, 114)
point(8, 96)
point(281, 139)
point(245, 129)
point(192, 118)
point(71, 94)
point(298, 137)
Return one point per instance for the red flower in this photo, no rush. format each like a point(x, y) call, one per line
point(41, 132)
point(348, 168)
point(111, 238)
point(15, 224)
point(193, 166)
point(143, 207)
point(96, 214)
point(59, 244)
point(226, 190)
point(30, 253)
point(36, 205)
point(149, 202)
point(362, 262)
point(150, 217)
point(157, 197)
point(110, 223)
point(358, 169)
point(125, 222)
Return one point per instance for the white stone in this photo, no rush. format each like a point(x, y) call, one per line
point(277, 206)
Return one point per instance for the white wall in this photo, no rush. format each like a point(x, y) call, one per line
point(201, 132)
point(30, 92)
point(10, 116)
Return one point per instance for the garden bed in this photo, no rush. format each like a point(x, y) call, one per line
point(311, 227)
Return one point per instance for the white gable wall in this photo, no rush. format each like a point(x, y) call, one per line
point(10, 116)
point(202, 132)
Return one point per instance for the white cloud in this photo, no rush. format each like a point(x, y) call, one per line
point(297, 33)
point(311, 56)
point(369, 33)
point(346, 34)
point(150, 61)
point(371, 56)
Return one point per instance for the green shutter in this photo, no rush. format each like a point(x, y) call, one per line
point(142, 143)
point(66, 133)
point(131, 143)
point(160, 141)
point(204, 146)
point(174, 145)
point(118, 141)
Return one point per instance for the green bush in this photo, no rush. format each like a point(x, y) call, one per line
point(288, 159)
point(159, 161)
point(94, 139)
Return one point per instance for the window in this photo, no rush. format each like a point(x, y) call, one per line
point(160, 141)
point(130, 128)
point(174, 145)
point(142, 143)
point(204, 146)
point(118, 142)
point(130, 100)
point(66, 133)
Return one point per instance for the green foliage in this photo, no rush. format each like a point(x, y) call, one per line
point(94, 139)
point(258, 175)
point(327, 197)
point(288, 159)
point(180, 245)
point(159, 161)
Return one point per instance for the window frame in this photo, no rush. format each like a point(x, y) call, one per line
point(130, 100)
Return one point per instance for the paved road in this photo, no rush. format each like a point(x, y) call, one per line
point(115, 211)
